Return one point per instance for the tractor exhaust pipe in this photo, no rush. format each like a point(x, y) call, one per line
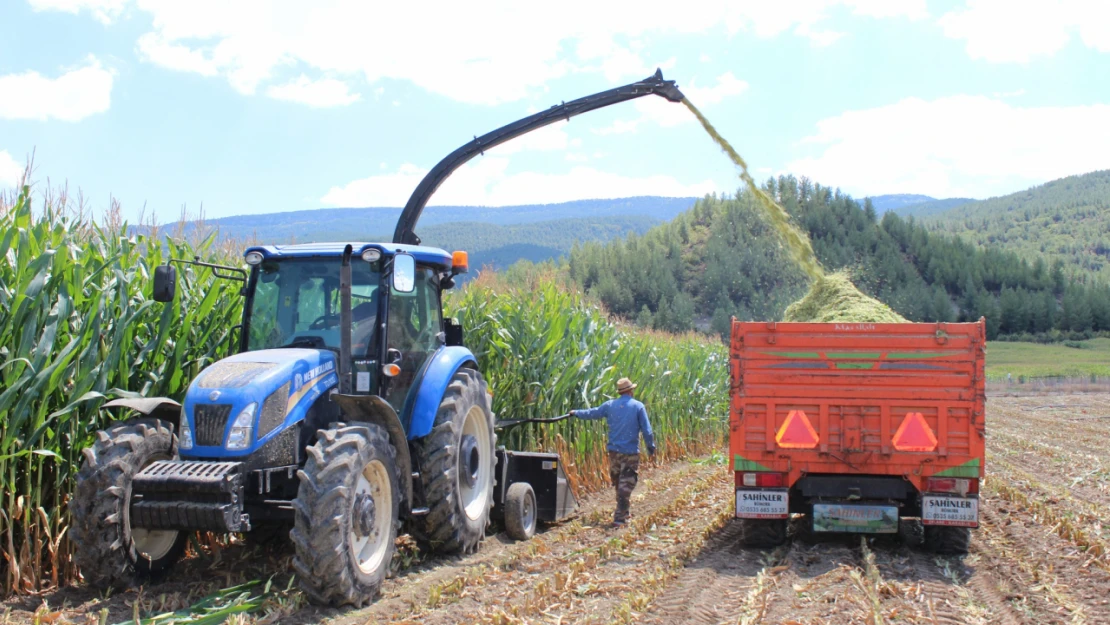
point(345, 322)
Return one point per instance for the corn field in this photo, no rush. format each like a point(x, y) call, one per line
point(78, 327)
point(545, 350)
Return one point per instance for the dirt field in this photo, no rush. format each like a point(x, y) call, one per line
point(1042, 555)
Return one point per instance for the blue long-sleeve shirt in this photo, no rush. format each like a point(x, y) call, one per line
point(627, 420)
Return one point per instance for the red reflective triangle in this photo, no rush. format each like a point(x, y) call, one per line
point(796, 432)
point(914, 434)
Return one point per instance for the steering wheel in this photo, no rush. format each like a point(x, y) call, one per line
point(323, 322)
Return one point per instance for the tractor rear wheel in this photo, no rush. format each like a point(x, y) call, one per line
point(109, 552)
point(763, 532)
point(456, 467)
point(947, 540)
point(346, 515)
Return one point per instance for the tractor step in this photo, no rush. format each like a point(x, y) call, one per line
point(189, 495)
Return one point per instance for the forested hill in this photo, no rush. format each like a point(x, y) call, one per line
point(1066, 219)
point(721, 258)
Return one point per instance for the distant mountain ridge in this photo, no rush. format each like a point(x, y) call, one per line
point(494, 237)
point(376, 223)
point(914, 205)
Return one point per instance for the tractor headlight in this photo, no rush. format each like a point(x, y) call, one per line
point(242, 430)
point(184, 432)
point(254, 258)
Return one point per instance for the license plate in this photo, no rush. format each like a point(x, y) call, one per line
point(856, 519)
point(957, 511)
point(762, 504)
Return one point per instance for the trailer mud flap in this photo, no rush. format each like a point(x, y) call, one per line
point(762, 504)
point(952, 511)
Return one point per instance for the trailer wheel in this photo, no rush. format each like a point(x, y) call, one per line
point(456, 467)
point(346, 515)
point(520, 511)
point(109, 552)
point(947, 540)
point(763, 532)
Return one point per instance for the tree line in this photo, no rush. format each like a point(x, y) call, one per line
point(721, 258)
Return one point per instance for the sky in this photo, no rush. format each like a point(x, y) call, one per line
point(232, 107)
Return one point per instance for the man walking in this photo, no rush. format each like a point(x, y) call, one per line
point(627, 420)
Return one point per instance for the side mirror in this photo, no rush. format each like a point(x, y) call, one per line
point(165, 283)
point(404, 273)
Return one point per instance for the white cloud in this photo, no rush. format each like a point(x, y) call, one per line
point(667, 114)
point(487, 182)
point(176, 56)
point(72, 96)
point(252, 43)
point(956, 146)
point(322, 93)
point(10, 170)
point(105, 11)
point(1005, 31)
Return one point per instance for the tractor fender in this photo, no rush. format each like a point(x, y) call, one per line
point(432, 384)
point(162, 408)
point(374, 409)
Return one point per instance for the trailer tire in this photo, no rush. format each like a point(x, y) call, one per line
point(763, 532)
point(109, 553)
point(947, 540)
point(456, 461)
point(345, 522)
point(520, 511)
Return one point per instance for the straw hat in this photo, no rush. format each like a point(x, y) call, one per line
point(624, 385)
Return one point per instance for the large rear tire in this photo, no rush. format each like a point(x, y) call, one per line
point(109, 552)
point(346, 515)
point(456, 467)
point(763, 532)
point(947, 540)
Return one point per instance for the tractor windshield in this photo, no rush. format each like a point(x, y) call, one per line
point(296, 304)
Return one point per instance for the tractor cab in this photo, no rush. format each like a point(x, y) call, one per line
point(294, 299)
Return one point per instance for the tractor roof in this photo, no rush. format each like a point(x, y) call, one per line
point(423, 254)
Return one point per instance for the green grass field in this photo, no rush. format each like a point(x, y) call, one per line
point(1033, 360)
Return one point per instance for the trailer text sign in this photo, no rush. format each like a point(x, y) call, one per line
point(957, 511)
point(762, 504)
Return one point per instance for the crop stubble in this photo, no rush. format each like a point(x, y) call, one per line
point(1039, 556)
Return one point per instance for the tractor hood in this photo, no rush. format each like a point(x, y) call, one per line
point(265, 390)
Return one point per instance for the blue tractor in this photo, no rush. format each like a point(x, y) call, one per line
point(350, 408)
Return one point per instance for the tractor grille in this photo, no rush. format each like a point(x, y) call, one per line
point(210, 421)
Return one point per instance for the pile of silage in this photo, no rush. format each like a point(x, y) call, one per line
point(834, 299)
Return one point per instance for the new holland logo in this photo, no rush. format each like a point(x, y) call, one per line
point(298, 381)
point(213, 396)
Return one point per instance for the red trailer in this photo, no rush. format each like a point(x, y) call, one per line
point(858, 425)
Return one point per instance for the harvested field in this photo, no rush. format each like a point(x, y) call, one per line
point(1042, 555)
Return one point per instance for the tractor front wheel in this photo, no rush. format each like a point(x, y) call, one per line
point(109, 552)
point(346, 515)
point(456, 467)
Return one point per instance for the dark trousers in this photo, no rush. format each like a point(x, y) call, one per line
point(624, 471)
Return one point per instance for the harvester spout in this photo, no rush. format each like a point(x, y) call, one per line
point(406, 224)
point(666, 88)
